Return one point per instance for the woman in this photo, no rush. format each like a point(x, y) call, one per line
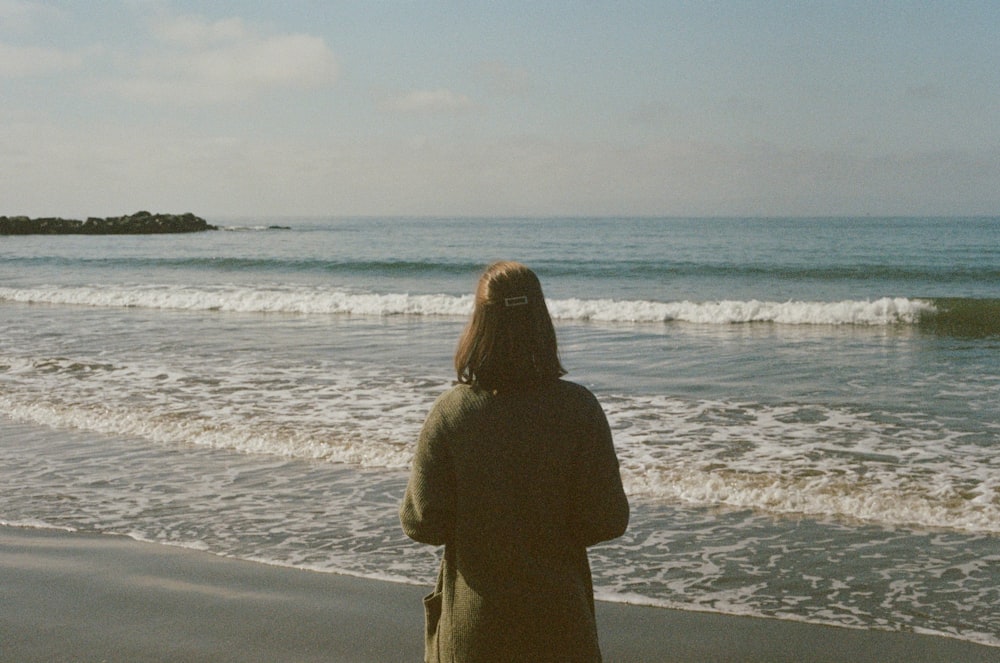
point(515, 474)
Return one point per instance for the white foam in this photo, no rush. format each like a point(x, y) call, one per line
point(34, 523)
point(848, 466)
point(361, 445)
point(242, 299)
point(324, 300)
point(823, 461)
point(327, 412)
point(884, 311)
point(815, 460)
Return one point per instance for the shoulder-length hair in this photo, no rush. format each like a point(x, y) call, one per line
point(509, 340)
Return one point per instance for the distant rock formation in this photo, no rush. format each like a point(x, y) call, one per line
point(140, 223)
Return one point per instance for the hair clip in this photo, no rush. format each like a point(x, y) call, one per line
point(515, 301)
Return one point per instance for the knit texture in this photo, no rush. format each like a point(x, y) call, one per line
point(516, 486)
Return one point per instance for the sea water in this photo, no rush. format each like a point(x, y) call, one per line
point(805, 410)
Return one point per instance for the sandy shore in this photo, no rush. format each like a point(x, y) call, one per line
point(81, 597)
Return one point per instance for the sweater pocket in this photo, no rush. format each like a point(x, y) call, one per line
point(432, 616)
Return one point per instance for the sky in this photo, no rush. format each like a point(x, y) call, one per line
point(517, 108)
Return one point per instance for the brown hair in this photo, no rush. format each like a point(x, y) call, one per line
point(509, 340)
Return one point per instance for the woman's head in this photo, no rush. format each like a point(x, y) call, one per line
point(510, 340)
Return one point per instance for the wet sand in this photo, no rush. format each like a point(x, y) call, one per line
point(70, 596)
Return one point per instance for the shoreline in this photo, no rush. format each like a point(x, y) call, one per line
point(85, 596)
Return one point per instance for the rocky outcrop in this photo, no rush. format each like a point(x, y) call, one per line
point(140, 223)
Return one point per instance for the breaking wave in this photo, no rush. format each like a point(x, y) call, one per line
point(312, 300)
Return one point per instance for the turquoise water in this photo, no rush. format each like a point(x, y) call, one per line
point(805, 409)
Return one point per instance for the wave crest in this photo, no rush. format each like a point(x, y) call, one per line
point(311, 300)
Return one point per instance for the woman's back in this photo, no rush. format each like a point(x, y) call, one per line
point(533, 481)
point(515, 474)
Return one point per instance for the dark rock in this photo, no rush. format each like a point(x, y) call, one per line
point(140, 223)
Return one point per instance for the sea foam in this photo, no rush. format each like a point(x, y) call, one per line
point(782, 459)
point(313, 300)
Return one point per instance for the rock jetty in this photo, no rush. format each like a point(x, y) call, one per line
point(140, 223)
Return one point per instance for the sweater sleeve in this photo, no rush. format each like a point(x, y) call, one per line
point(601, 510)
point(427, 512)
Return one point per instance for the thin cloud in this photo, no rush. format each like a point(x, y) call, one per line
point(19, 14)
point(429, 101)
point(28, 61)
point(926, 92)
point(194, 61)
point(195, 31)
point(504, 79)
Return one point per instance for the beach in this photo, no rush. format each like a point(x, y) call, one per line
point(71, 596)
point(804, 412)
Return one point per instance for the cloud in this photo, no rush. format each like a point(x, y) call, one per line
point(429, 101)
point(27, 61)
point(195, 61)
point(20, 14)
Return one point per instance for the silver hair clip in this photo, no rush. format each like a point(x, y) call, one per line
point(515, 301)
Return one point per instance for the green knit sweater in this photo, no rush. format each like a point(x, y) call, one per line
point(515, 486)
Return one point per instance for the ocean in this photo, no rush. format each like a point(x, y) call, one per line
point(805, 410)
